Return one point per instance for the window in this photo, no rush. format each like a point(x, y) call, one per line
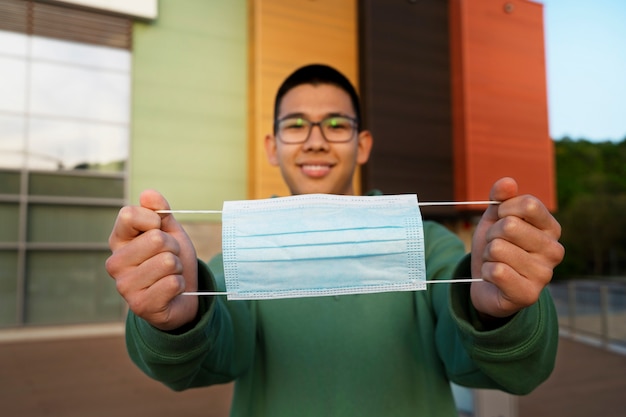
point(64, 118)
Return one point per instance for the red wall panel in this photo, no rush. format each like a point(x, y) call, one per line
point(499, 98)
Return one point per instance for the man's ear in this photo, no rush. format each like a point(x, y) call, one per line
point(270, 149)
point(364, 146)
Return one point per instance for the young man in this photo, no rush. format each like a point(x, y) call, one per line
point(387, 354)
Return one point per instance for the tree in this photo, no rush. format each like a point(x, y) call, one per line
point(591, 189)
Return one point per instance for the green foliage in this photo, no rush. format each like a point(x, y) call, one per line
point(591, 190)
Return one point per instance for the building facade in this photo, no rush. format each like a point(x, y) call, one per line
point(100, 100)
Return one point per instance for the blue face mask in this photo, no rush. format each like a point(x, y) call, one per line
point(320, 244)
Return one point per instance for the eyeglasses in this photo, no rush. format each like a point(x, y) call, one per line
point(295, 129)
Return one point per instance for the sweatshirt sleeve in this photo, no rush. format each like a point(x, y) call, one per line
point(216, 349)
point(515, 357)
point(519, 355)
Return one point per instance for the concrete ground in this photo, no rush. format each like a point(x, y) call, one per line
point(92, 376)
point(588, 381)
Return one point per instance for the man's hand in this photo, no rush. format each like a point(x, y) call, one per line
point(153, 262)
point(515, 250)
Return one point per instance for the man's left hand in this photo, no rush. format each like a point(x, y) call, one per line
point(515, 250)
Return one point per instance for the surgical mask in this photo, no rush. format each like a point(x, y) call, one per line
point(320, 245)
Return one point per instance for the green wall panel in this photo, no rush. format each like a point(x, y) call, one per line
point(189, 111)
point(8, 288)
point(70, 287)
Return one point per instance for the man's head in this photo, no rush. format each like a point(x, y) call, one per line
point(316, 74)
point(316, 140)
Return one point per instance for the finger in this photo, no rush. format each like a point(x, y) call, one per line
point(532, 211)
point(148, 245)
point(530, 251)
point(513, 291)
point(135, 280)
point(521, 233)
point(131, 221)
point(159, 266)
point(525, 265)
point(139, 250)
point(154, 303)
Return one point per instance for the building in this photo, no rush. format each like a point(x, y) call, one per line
point(102, 99)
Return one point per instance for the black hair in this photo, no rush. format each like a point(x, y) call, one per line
point(317, 74)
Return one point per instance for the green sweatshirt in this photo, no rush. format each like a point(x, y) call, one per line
point(387, 354)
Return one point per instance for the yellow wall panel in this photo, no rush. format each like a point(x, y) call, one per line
point(284, 35)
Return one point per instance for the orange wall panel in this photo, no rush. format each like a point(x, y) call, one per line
point(284, 35)
point(499, 93)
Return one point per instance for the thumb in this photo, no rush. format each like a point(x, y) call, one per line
point(153, 200)
point(503, 189)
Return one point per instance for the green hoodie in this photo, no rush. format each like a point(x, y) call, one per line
point(386, 354)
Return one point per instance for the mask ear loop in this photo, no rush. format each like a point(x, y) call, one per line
point(189, 211)
point(421, 204)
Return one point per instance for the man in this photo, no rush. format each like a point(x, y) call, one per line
point(387, 354)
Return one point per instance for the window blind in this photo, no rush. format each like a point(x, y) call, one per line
point(67, 23)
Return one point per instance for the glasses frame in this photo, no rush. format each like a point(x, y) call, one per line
point(354, 120)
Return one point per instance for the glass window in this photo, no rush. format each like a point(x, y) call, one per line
point(9, 182)
point(63, 104)
point(11, 139)
point(9, 222)
point(13, 72)
point(70, 144)
point(12, 43)
point(64, 130)
point(71, 224)
point(70, 287)
point(42, 183)
point(79, 92)
point(57, 50)
point(8, 288)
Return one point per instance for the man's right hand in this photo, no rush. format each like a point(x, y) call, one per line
point(153, 262)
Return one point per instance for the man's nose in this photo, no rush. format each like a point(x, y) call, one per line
point(316, 139)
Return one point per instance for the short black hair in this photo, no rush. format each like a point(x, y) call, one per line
point(317, 74)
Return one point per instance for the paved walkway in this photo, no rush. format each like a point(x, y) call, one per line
point(588, 381)
point(94, 377)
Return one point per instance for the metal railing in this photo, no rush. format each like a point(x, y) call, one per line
point(592, 310)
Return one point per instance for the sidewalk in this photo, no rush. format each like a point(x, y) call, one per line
point(588, 381)
point(94, 377)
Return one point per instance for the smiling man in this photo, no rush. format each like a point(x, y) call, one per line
point(384, 354)
point(317, 142)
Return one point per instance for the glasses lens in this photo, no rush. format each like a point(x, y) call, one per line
point(298, 129)
point(293, 129)
point(338, 128)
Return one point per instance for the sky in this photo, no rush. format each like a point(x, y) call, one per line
point(585, 44)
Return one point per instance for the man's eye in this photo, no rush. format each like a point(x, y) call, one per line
point(338, 123)
point(294, 124)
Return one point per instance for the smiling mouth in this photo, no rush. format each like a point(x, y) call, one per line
point(315, 170)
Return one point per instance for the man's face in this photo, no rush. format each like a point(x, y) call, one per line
point(318, 166)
